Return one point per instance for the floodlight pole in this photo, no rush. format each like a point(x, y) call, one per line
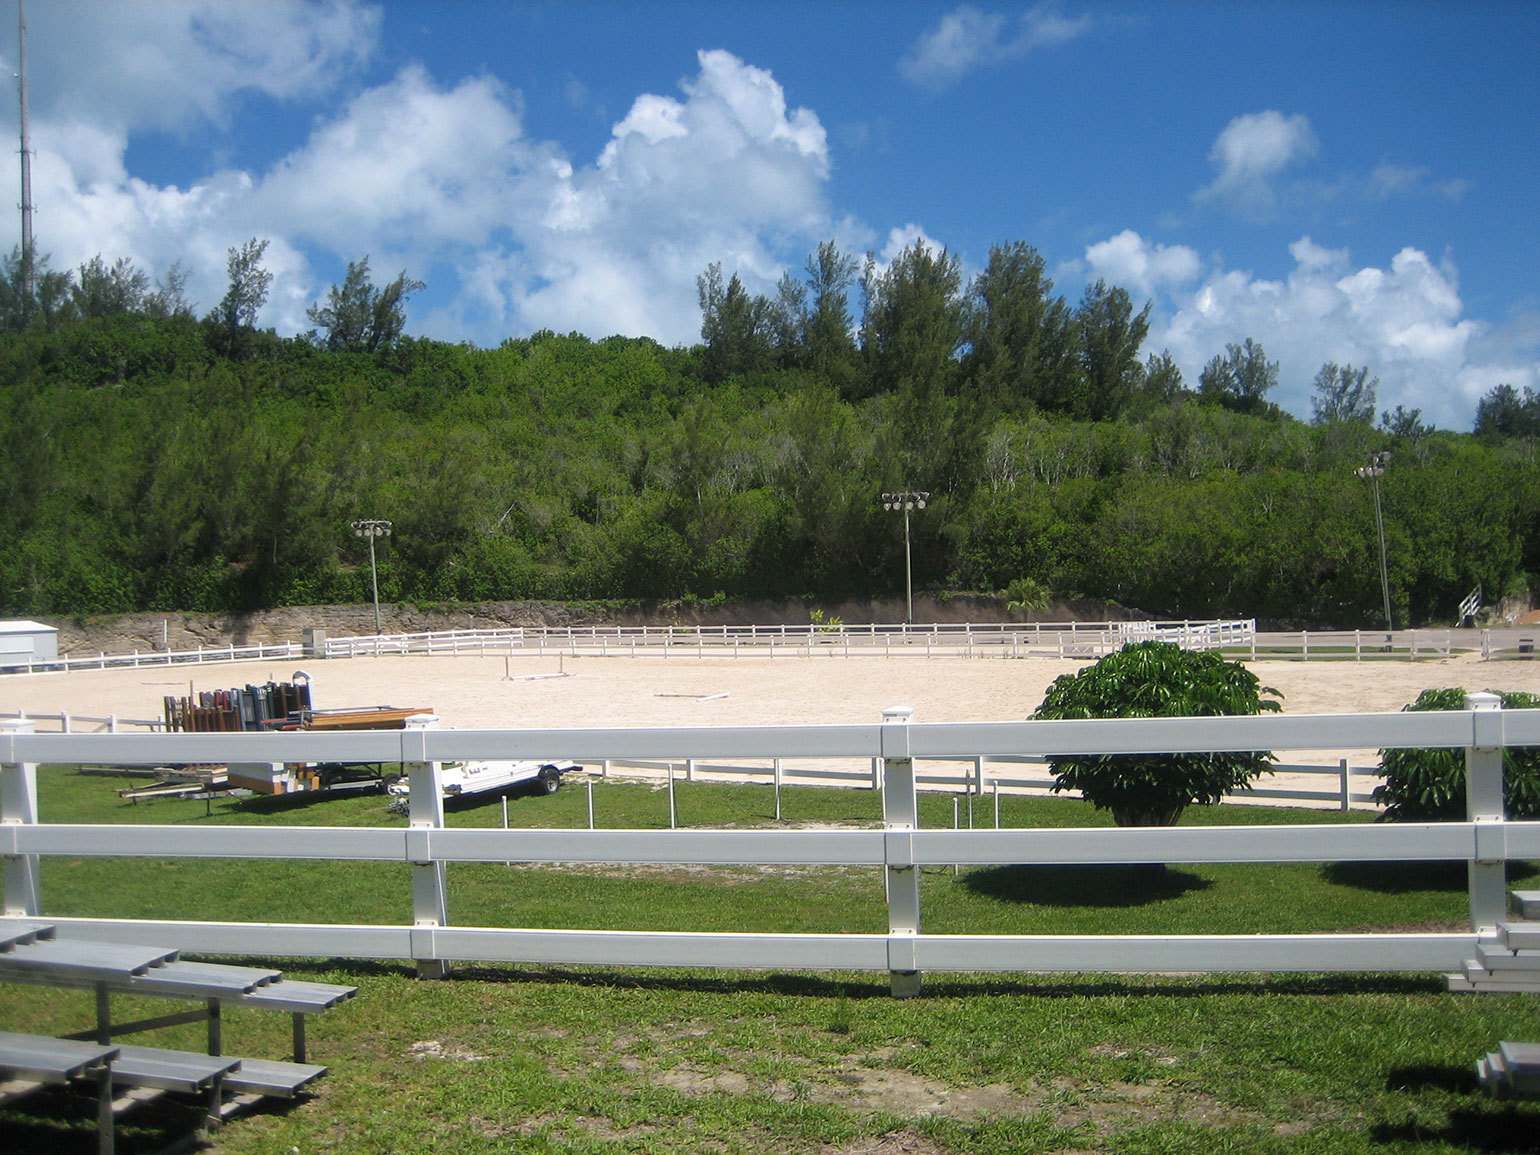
point(906, 500)
point(1372, 471)
point(371, 528)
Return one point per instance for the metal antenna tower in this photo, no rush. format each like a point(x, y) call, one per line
point(26, 160)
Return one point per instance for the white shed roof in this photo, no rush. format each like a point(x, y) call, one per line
point(27, 628)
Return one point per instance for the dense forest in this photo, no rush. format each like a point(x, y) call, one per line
point(156, 459)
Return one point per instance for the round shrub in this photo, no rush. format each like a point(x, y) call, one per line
point(1156, 680)
point(1429, 785)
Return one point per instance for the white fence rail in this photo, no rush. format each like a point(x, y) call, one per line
point(1237, 638)
point(1004, 640)
point(68, 723)
point(1486, 840)
point(978, 775)
point(139, 659)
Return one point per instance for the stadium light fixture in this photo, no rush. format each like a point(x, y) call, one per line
point(1371, 471)
point(906, 500)
point(370, 528)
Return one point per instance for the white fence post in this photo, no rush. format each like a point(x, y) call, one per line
point(430, 891)
point(1484, 807)
point(900, 818)
point(18, 807)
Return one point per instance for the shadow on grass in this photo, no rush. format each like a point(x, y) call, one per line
point(1410, 877)
point(62, 1121)
point(873, 986)
point(1511, 1127)
point(1457, 1080)
point(299, 800)
point(1102, 886)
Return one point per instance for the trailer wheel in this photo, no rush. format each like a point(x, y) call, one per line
point(549, 781)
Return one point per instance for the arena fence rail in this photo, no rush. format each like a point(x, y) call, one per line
point(1486, 840)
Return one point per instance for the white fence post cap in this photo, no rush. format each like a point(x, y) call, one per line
point(1483, 700)
point(898, 713)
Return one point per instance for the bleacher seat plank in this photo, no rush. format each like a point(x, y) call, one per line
point(50, 1060)
point(272, 1077)
point(298, 995)
point(186, 1071)
point(183, 979)
point(82, 959)
point(23, 931)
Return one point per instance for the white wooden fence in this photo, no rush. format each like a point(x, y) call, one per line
point(1237, 638)
point(1486, 840)
point(979, 775)
point(1000, 639)
point(139, 659)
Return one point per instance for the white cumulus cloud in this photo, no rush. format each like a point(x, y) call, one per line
point(1250, 153)
point(441, 179)
point(1404, 322)
point(1129, 260)
point(968, 39)
point(173, 63)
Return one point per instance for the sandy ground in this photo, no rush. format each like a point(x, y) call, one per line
point(552, 692)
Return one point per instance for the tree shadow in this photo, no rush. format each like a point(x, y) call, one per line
point(1408, 877)
point(1109, 885)
point(1511, 1127)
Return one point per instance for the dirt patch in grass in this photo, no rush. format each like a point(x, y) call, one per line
point(434, 1049)
point(893, 1143)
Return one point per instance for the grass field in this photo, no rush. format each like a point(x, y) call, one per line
point(589, 1060)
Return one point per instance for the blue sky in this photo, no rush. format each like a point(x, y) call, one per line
point(1345, 182)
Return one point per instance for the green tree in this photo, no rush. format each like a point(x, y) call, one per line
point(1110, 336)
point(1241, 379)
point(831, 346)
point(1156, 680)
point(737, 327)
point(1022, 342)
point(1402, 422)
point(1162, 382)
point(1503, 413)
point(913, 323)
point(1343, 393)
point(101, 290)
point(46, 307)
point(249, 284)
point(1429, 785)
point(358, 316)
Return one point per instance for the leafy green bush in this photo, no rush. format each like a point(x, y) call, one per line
point(1156, 680)
point(1027, 595)
point(1429, 785)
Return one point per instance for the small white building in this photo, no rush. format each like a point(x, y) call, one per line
point(25, 642)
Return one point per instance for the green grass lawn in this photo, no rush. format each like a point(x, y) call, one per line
point(503, 1058)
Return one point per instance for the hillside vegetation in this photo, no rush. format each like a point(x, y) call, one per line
point(155, 461)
